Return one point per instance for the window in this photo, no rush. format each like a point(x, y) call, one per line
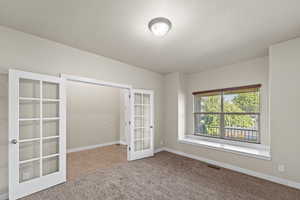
point(231, 113)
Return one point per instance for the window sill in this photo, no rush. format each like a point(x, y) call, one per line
point(251, 150)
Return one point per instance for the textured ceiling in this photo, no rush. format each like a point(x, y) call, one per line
point(205, 33)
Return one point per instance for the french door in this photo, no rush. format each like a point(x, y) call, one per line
point(37, 133)
point(142, 136)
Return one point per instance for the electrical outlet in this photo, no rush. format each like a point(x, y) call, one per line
point(281, 168)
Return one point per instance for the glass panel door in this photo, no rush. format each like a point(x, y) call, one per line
point(142, 140)
point(37, 148)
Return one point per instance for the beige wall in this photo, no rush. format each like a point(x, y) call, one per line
point(124, 116)
point(3, 132)
point(284, 80)
point(246, 73)
point(29, 53)
point(284, 106)
point(93, 115)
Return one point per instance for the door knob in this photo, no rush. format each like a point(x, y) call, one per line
point(151, 126)
point(14, 141)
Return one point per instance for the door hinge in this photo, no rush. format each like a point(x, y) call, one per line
point(129, 123)
point(129, 96)
point(129, 148)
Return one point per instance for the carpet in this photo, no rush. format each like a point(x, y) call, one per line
point(166, 176)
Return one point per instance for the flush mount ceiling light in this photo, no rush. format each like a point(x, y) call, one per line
point(160, 26)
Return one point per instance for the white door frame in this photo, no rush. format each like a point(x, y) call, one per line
point(81, 79)
point(16, 189)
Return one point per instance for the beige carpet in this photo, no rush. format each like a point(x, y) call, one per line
point(166, 176)
point(84, 162)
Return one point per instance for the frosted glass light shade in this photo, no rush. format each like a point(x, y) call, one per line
point(160, 26)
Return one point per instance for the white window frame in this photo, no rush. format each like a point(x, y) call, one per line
point(222, 138)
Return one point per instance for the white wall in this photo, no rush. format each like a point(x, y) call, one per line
point(284, 106)
point(29, 53)
point(93, 115)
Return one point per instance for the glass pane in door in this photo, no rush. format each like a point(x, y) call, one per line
point(50, 109)
point(50, 146)
point(138, 98)
point(146, 99)
point(138, 134)
point(50, 128)
point(29, 150)
point(50, 165)
point(146, 143)
point(29, 129)
point(29, 109)
point(29, 88)
point(50, 90)
point(138, 145)
point(29, 171)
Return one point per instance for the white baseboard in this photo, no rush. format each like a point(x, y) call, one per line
point(159, 150)
point(238, 169)
point(122, 142)
point(3, 196)
point(91, 147)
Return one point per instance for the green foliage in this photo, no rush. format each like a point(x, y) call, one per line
point(248, 102)
point(211, 104)
point(243, 102)
point(237, 120)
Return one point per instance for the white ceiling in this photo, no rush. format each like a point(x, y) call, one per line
point(205, 33)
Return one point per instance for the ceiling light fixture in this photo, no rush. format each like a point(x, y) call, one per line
point(160, 26)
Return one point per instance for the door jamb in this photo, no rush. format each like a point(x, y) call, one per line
point(81, 79)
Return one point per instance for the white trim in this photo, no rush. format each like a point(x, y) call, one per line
point(159, 150)
point(259, 153)
point(3, 196)
point(230, 142)
point(94, 81)
point(267, 177)
point(92, 147)
point(122, 142)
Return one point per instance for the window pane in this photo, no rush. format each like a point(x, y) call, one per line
point(241, 101)
point(207, 103)
point(207, 124)
point(241, 127)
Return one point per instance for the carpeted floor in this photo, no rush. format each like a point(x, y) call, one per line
point(84, 162)
point(166, 176)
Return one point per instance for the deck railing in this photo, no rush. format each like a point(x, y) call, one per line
point(232, 133)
